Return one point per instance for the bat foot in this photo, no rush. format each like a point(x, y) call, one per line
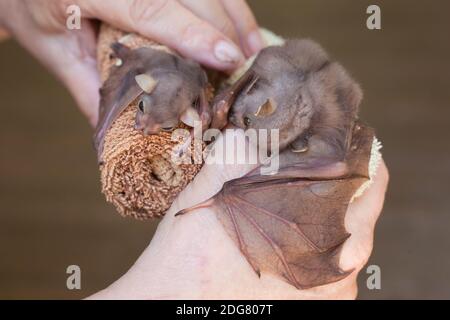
point(206, 204)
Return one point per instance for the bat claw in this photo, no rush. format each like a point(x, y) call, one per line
point(204, 204)
point(180, 213)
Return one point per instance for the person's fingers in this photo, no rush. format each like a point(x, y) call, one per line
point(360, 221)
point(245, 24)
point(77, 68)
point(70, 56)
point(213, 12)
point(171, 24)
point(83, 81)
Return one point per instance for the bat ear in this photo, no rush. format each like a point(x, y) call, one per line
point(145, 82)
point(190, 116)
point(267, 108)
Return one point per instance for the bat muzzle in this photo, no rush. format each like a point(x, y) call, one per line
point(146, 124)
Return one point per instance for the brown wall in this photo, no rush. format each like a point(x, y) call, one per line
point(53, 215)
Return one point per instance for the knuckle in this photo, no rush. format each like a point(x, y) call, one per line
point(228, 29)
point(194, 34)
point(141, 10)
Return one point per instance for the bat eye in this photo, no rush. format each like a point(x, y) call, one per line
point(247, 121)
point(141, 105)
point(145, 103)
point(167, 129)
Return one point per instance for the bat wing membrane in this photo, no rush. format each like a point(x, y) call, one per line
point(291, 224)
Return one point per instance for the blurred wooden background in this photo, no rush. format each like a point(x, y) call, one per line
point(52, 213)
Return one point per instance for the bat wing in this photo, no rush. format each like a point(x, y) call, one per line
point(119, 91)
point(291, 224)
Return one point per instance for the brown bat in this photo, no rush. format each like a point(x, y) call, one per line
point(169, 88)
point(291, 223)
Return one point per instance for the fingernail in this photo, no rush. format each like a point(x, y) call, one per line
point(255, 41)
point(227, 52)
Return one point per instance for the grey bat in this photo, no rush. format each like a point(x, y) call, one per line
point(169, 88)
point(294, 88)
point(291, 223)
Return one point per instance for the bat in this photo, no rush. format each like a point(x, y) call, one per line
point(291, 223)
point(294, 88)
point(169, 89)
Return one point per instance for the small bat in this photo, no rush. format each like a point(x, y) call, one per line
point(169, 88)
point(291, 223)
point(296, 89)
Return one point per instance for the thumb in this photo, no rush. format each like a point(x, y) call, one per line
point(171, 24)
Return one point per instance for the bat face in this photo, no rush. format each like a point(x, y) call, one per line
point(164, 106)
point(279, 103)
point(169, 90)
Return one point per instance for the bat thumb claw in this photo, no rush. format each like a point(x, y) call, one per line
point(205, 204)
point(179, 213)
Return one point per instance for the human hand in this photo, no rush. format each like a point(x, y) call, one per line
point(192, 257)
point(207, 31)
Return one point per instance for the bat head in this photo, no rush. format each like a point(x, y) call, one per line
point(164, 100)
point(295, 89)
point(170, 87)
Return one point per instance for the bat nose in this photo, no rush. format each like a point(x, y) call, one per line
point(147, 125)
point(141, 120)
point(152, 129)
point(139, 126)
